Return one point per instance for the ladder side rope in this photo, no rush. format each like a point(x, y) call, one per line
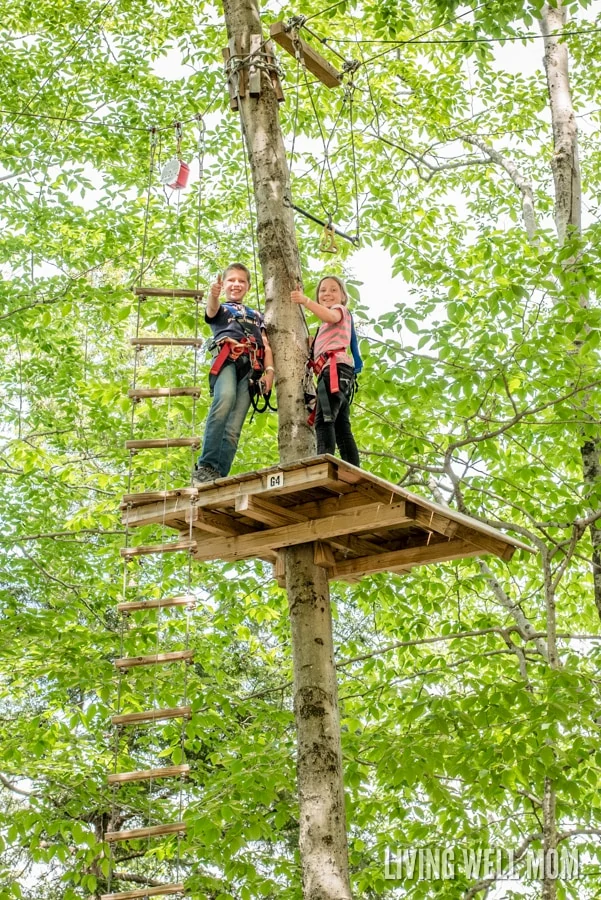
point(149, 776)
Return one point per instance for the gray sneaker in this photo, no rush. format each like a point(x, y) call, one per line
point(204, 474)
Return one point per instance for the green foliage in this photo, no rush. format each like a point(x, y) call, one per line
point(480, 387)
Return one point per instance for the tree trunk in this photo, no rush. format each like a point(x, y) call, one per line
point(323, 842)
point(568, 219)
point(568, 211)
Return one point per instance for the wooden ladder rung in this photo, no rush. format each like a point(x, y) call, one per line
point(167, 292)
point(144, 393)
point(167, 342)
point(163, 443)
point(152, 715)
point(148, 549)
point(148, 774)
point(154, 496)
point(163, 603)
point(154, 659)
point(151, 831)
point(162, 890)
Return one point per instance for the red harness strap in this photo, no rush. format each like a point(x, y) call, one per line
point(220, 359)
point(318, 364)
point(228, 350)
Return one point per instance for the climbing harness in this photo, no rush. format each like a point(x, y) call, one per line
point(230, 349)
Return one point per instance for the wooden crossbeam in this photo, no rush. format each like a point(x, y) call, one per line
point(135, 834)
point(152, 715)
point(149, 549)
point(270, 513)
point(149, 774)
point(314, 61)
point(164, 602)
point(167, 342)
point(215, 522)
point(267, 512)
point(431, 521)
point(485, 542)
point(162, 443)
point(147, 393)
point(154, 659)
point(365, 518)
point(162, 890)
point(406, 559)
point(168, 292)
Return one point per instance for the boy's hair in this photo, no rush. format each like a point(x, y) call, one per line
point(233, 266)
point(340, 284)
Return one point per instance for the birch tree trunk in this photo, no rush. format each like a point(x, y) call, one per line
point(565, 165)
point(323, 841)
point(568, 208)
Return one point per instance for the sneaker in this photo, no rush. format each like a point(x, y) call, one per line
point(204, 474)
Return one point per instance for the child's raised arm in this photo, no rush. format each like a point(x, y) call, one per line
point(322, 312)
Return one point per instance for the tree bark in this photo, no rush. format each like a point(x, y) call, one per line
point(565, 162)
point(323, 840)
point(568, 212)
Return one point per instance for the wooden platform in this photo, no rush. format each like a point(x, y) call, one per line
point(359, 523)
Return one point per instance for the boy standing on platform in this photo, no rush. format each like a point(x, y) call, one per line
point(241, 355)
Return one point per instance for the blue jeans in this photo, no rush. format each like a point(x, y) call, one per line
point(231, 401)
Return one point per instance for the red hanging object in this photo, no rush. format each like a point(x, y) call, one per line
point(175, 174)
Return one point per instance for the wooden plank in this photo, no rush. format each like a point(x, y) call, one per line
point(275, 482)
point(366, 518)
point(361, 496)
point(135, 834)
point(267, 512)
point(142, 499)
point(314, 62)
point(215, 522)
point(163, 443)
point(154, 659)
point(444, 551)
point(230, 79)
point(160, 512)
point(322, 474)
point(428, 505)
point(164, 602)
point(275, 515)
point(168, 292)
point(163, 890)
point(148, 549)
point(254, 73)
point(152, 715)
point(148, 774)
point(167, 342)
point(323, 555)
point(146, 393)
point(279, 570)
point(275, 78)
point(485, 542)
point(433, 521)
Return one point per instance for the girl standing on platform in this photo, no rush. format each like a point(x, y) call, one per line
point(333, 366)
